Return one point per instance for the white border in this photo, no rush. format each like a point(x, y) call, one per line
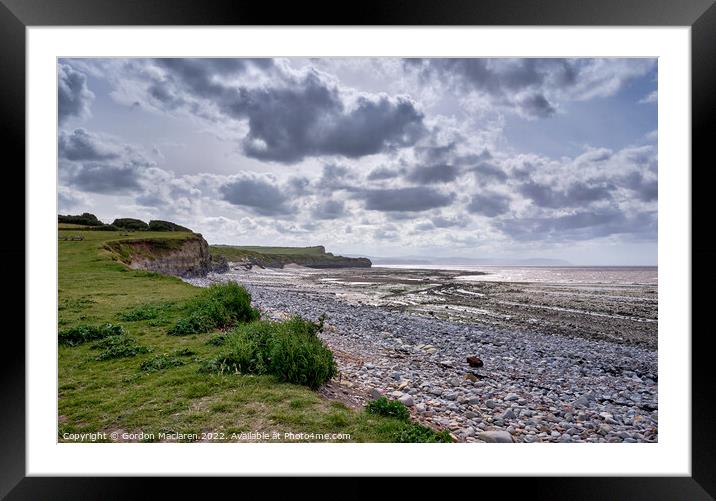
point(671, 456)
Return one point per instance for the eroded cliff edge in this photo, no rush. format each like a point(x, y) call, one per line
point(185, 256)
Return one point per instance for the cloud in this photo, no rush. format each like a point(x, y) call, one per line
point(329, 209)
point(73, 97)
point(259, 195)
point(81, 145)
point(100, 164)
point(576, 194)
point(582, 225)
point(433, 174)
point(291, 115)
point(489, 204)
point(531, 87)
point(382, 173)
point(412, 199)
point(652, 97)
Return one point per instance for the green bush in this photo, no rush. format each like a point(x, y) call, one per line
point(86, 219)
point(298, 356)
point(217, 307)
point(84, 333)
point(289, 350)
point(118, 347)
point(158, 225)
point(391, 408)
point(415, 432)
point(128, 223)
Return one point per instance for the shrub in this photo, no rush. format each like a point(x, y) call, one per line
point(391, 408)
point(298, 356)
point(158, 225)
point(415, 432)
point(217, 307)
point(130, 224)
point(289, 350)
point(86, 219)
point(119, 347)
point(84, 333)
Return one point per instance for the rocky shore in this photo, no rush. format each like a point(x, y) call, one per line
point(531, 387)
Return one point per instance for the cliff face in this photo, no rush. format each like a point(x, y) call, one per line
point(183, 257)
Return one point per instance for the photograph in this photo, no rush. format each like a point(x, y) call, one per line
point(357, 249)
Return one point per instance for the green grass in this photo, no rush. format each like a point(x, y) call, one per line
point(151, 392)
point(315, 251)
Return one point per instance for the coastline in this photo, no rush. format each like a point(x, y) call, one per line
point(538, 385)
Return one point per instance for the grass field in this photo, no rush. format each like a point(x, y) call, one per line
point(117, 395)
point(311, 251)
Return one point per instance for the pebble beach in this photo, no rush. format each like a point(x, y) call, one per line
point(531, 377)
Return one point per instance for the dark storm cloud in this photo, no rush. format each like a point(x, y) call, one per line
point(73, 97)
point(257, 195)
point(413, 199)
point(329, 209)
point(433, 174)
point(297, 116)
point(583, 225)
point(489, 204)
point(576, 194)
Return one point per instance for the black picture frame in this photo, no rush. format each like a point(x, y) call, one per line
point(700, 15)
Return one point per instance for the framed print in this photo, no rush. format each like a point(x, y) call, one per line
point(262, 248)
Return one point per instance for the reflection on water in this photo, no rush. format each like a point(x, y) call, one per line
point(612, 275)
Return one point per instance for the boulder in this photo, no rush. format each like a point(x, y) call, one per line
point(495, 436)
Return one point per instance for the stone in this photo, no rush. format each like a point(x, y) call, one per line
point(511, 396)
point(490, 404)
point(446, 363)
point(509, 414)
point(475, 361)
point(374, 394)
point(403, 384)
point(495, 436)
point(406, 400)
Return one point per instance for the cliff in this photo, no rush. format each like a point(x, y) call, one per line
point(278, 257)
point(186, 256)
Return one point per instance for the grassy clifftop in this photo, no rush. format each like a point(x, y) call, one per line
point(278, 257)
point(146, 381)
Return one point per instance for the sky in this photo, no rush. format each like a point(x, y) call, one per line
point(479, 158)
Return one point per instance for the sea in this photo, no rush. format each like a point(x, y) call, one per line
point(582, 275)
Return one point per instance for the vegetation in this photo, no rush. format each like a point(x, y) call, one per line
point(278, 257)
point(158, 225)
point(384, 407)
point(84, 333)
point(128, 223)
point(217, 307)
point(86, 219)
point(150, 391)
point(289, 350)
point(121, 346)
